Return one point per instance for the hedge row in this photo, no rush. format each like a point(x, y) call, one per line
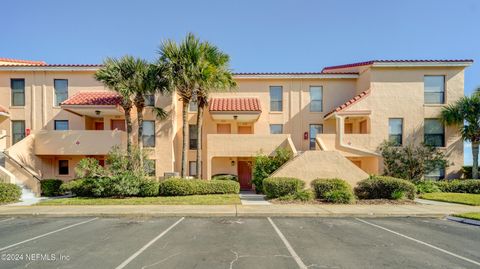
point(51, 187)
point(182, 187)
point(381, 187)
point(460, 185)
point(9, 193)
point(276, 187)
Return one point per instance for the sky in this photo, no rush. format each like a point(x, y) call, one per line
point(259, 36)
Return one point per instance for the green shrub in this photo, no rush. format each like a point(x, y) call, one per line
point(322, 186)
point(339, 196)
point(225, 177)
point(182, 187)
point(460, 185)
point(264, 166)
point(381, 187)
point(148, 188)
point(275, 187)
point(302, 195)
point(121, 185)
point(9, 193)
point(398, 195)
point(79, 187)
point(467, 171)
point(51, 187)
point(333, 190)
point(427, 186)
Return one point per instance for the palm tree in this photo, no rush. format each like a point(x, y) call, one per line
point(466, 114)
point(117, 74)
point(146, 80)
point(180, 65)
point(214, 75)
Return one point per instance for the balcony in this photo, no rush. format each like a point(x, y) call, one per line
point(77, 142)
point(241, 145)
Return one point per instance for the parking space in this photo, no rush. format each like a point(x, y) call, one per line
point(237, 243)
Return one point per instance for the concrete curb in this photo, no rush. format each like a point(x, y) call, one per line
point(464, 220)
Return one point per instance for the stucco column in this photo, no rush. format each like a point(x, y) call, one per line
point(209, 167)
point(340, 128)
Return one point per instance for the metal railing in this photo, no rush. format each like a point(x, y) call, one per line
point(21, 165)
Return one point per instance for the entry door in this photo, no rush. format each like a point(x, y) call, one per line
point(224, 129)
point(99, 125)
point(118, 124)
point(245, 175)
point(245, 129)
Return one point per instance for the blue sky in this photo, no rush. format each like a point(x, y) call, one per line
point(259, 35)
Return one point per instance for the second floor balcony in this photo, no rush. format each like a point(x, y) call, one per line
point(78, 142)
point(238, 145)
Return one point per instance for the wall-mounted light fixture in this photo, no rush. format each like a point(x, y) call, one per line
point(235, 117)
point(97, 112)
point(232, 163)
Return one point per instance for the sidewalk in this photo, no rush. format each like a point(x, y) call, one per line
point(418, 210)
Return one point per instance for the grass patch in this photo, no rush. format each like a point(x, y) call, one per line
point(459, 198)
point(472, 215)
point(214, 199)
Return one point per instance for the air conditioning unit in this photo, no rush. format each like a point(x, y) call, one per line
point(170, 174)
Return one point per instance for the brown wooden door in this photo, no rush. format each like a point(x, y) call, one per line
point(245, 175)
point(118, 124)
point(99, 125)
point(245, 129)
point(348, 128)
point(363, 127)
point(224, 129)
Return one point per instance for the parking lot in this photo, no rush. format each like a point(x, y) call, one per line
point(237, 243)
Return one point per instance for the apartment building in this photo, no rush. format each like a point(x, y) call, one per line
point(52, 116)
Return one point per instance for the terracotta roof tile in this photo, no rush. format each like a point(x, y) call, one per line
point(349, 103)
point(93, 98)
point(27, 62)
point(235, 104)
point(393, 61)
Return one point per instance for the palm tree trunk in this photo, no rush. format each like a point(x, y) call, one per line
point(128, 121)
point(184, 138)
point(199, 140)
point(140, 132)
point(475, 160)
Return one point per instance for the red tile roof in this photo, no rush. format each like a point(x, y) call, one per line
point(51, 65)
point(94, 98)
point(292, 73)
point(235, 104)
point(28, 62)
point(394, 61)
point(349, 103)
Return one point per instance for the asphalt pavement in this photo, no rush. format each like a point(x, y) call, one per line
point(232, 242)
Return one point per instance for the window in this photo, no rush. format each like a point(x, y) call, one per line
point(436, 174)
point(434, 133)
point(18, 130)
point(149, 167)
point(61, 125)
point(276, 98)
point(316, 98)
point(61, 90)
point(434, 89)
point(314, 130)
point(192, 136)
point(276, 128)
point(149, 100)
point(395, 131)
point(193, 106)
point(18, 91)
point(148, 133)
point(192, 168)
point(63, 167)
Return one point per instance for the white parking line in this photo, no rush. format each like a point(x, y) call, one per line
point(45, 234)
point(6, 219)
point(420, 242)
point(287, 244)
point(131, 258)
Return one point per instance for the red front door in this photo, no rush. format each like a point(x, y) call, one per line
point(245, 175)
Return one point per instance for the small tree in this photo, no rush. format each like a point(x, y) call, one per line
point(411, 162)
point(264, 166)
